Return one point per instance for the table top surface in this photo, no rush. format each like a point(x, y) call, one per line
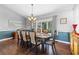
point(43, 35)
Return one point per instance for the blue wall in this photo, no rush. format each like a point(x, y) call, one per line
point(63, 36)
point(5, 34)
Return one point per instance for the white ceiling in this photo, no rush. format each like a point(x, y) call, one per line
point(38, 9)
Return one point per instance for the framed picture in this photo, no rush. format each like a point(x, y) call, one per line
point(63, 20)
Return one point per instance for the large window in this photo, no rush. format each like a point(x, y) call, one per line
point(44, 25)
point(39, 25)
point(49, 26)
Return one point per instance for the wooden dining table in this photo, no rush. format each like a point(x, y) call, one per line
point(43, 38)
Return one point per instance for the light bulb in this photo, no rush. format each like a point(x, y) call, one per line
point(34, 19)
point(29, 18)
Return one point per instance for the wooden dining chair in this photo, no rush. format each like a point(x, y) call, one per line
point(18, 37)
point(25, 41)
point(28, 39)
point(28, 35)
point(52, 42)
point(34, 41)
point(20, 41)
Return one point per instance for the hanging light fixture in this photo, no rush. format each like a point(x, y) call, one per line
point(32, 18)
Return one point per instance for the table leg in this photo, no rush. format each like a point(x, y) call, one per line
point(43, 47)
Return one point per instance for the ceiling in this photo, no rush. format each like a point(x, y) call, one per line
point(38, 9)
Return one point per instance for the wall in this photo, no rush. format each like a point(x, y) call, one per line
point(64, 29)
point(6, 17)
point(68, 26)
point(72, 18)
point(76, 16)
point(54, 23)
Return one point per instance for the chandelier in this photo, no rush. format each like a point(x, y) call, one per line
point(32, 18)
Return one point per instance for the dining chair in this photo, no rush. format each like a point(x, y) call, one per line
point(52, 42)
point(28, 39)
point(45, 31)
point(20, 41)
point(28, 35)
point(18, 36)
point(34, 41)
point(25, 41)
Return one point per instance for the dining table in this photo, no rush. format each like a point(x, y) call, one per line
point(43, 37)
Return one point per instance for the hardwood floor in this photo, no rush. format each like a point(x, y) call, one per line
point(10, 47)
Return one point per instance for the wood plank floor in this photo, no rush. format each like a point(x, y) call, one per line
point(9, 47)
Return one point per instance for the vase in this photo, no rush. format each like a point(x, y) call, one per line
point(74, 26)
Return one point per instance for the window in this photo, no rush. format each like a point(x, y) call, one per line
point(34, 26)
point(49, 27)
point(44, 25)
point(39, 27)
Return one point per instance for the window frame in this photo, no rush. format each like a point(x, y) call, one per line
point(41, 21)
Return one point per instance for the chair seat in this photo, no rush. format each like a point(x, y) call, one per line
point(37, 43)
point(50, 42)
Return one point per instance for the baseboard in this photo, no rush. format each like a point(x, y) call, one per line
point(6, 39)
point(63, 42)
